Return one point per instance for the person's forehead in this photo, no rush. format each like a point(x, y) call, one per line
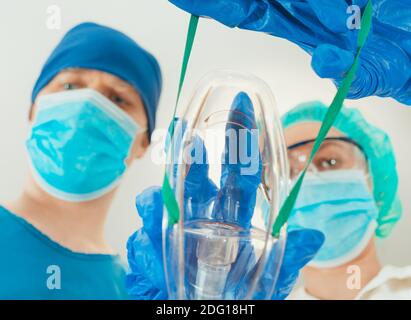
point(306, 131)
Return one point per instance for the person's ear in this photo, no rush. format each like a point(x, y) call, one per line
point(138, 149)
point(31, 113)
point(142, 145)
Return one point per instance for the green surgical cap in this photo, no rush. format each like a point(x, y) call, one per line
point(379, 151)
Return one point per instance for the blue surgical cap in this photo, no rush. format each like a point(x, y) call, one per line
point(93, 46)
point(378, 149)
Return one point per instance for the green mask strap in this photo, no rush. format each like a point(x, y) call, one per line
point(167, 191)
point(328, 121)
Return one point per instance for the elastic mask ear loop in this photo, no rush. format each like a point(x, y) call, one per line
point(369, 181)
point(141, 131)
point(367, 171)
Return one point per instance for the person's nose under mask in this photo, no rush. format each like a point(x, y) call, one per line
point(339, 204)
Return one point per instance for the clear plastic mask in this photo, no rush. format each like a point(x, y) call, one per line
point(227, 151)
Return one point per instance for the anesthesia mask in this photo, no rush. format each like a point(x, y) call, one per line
point(227, 150)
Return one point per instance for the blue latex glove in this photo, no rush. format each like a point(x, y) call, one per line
point(320, 28)
point(146, 280)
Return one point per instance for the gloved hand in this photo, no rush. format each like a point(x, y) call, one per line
point(146, 278)
point(234, 203)
point(320, 28)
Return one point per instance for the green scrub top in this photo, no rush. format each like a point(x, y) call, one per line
point(33, 267)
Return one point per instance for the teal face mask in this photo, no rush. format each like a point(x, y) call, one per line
point(78, 144)
point(339, 204)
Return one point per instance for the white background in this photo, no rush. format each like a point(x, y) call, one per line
point(157, 25)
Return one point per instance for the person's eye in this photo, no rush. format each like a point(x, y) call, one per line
point(118, 100)
point(328, 164)
point(70, 86)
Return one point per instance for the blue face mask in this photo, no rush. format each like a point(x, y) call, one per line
point(79, 143)
point(339, 204)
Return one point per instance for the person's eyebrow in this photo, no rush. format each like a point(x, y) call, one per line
point(124, 88)
point(68, 73)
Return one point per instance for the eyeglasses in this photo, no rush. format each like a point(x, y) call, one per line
point(335, 153)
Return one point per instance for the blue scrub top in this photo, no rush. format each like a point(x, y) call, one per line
point(33, 267)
